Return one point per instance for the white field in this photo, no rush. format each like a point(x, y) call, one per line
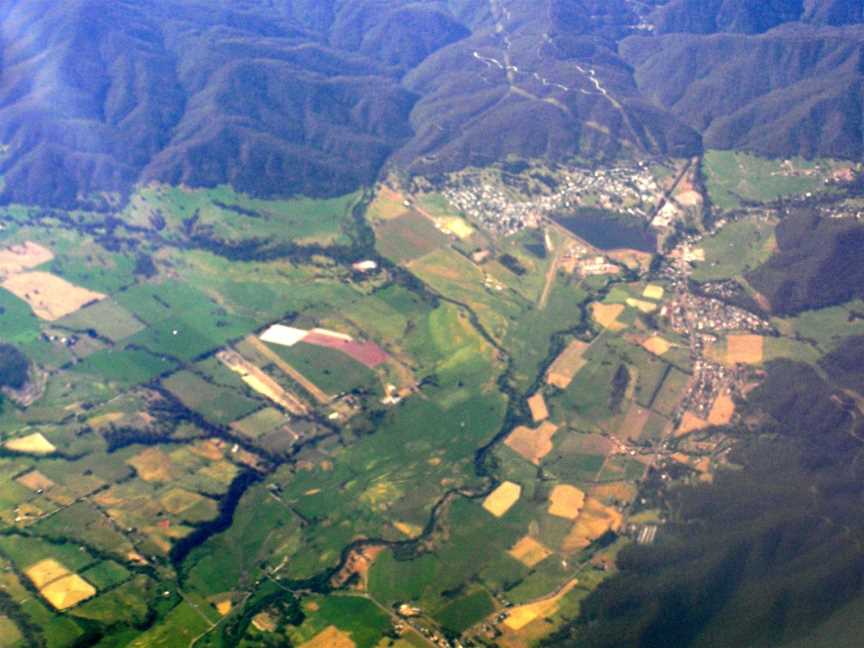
point(283, 335)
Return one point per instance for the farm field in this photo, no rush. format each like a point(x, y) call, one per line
point(468, 425)
point(736, 249)
point(733, 177)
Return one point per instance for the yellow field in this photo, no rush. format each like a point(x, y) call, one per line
point(224, 606)
point(532, 444)
point(656, 345)
point(35, 481)
point(49, 296)
point(45, 571)
point(567, 365)
point(31, 444)
point(332, 637)
point(690, 423)
point(260, 382)
point(529, 551)
point(641, 305)
point(566, 501)
point(455, 226)
point(68, 592)
point(152, 465)
point(522, 615)
point(410, 530)
point(653, 292)
point(622, 491)
point(722, 411)
point(499, 501)
point(537, 405)
point(606, 315)
point(388, 204)
point(744, 349)
point(17, 258)
point(594, 520)
point(60, 587)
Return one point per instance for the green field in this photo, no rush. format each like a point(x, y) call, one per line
point(464, 612)
point(106, 317)
point(736, 249)
point(216, 403)
point(732, 176)
point(671, 392)
point(126, 367)
point(408, 237)
point(361, 619)
point(329, 369)
point(229, 215)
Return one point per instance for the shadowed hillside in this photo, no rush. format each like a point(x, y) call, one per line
point(280, 97)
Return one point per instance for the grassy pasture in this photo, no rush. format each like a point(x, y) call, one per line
point(736, 249)
point(732, 176)
point(826, 327)
point(454, 276)
point(360, 618)
point(529, 336)
point(126, 367)
point(233, 216)
point(671, 392)
point(407, 237)
point(329, 369)
point(463, 612)
point(263, 531)
point(17, 321)
point(106, 317)
point(217, 403)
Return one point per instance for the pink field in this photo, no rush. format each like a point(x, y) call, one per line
point(367, 353)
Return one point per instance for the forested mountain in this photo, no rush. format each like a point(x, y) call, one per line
point(293, 96)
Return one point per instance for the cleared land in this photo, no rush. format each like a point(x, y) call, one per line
point(532, 443)
point(722, 411)
point(520, 616)
point(60, 587)
point(594, 520)
point(529, 551)
point(17, 258)
point(567, 365)
point(260, 382)
point(331, 637)
point(366, 353)
point(745, 349)
point(499, 501)
point(48, 295)
point(35, 444)
point(566, 501)
point(283, 335)
point(537, 405)
point(656, 345)
point(653, 292)
point(690, 423)
point(606, 315)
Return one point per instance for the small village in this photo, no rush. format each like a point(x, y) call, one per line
point(505, 210)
